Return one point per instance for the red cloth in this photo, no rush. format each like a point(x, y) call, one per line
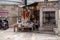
point(27, 15)
point(24, 14)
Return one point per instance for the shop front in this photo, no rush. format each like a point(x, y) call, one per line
point(48, 19)
point(30, 17)
point(49, 16)
point(43, 16)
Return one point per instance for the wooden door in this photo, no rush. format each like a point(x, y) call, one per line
point(49, 21)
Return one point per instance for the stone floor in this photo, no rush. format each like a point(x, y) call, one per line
point(10, 35)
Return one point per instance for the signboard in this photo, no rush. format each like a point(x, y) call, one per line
point(3, 12)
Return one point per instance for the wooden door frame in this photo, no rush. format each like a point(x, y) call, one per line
point(48, 9)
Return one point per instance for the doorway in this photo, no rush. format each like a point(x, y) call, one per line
point(49, 20)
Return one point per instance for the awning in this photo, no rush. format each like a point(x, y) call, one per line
point(10, 2)
point(3, 2)
point(30, 2)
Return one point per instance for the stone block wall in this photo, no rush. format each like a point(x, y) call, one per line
point(12, 12)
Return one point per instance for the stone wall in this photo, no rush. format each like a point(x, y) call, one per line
point(12, 12)
point(59, 23)
point(48, 6)
point(59, 18)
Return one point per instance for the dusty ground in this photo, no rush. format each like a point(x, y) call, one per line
point(10, 35)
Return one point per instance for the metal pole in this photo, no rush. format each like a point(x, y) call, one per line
point(25, 2)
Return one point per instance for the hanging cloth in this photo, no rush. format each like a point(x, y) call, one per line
point(24, 14)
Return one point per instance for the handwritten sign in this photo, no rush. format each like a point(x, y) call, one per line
point(3, 12)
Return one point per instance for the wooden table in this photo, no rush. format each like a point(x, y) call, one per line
point(16, 28)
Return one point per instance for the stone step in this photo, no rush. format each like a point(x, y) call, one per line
point(47, 29)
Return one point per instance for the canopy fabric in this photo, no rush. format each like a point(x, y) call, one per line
point(3, 2)
point(21, 1)
point(10, 1)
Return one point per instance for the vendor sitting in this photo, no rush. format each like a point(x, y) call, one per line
point(36, 24)
point(19, 23)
